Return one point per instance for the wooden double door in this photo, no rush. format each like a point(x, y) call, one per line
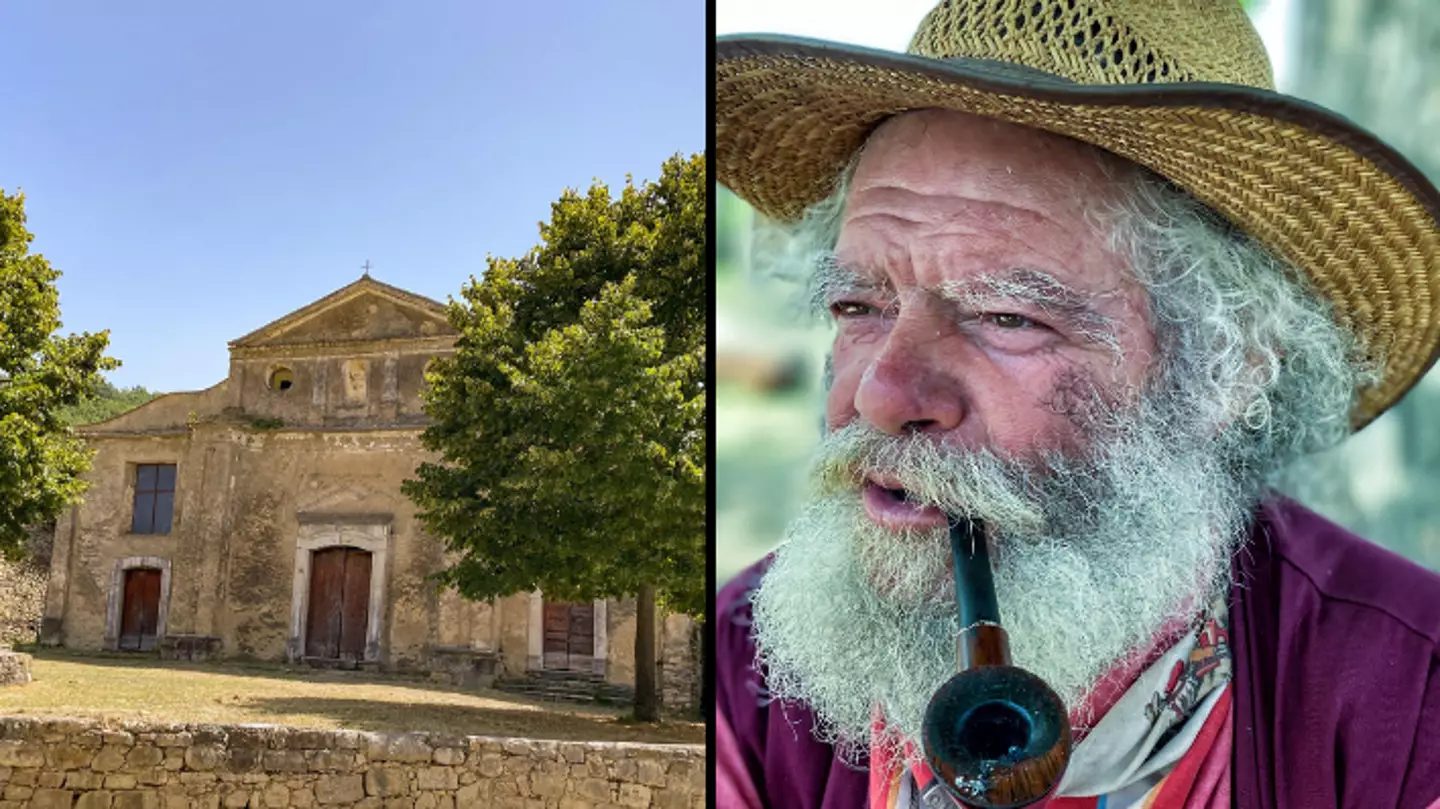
point(569, 635)
point(339, 607)
point(140, 610)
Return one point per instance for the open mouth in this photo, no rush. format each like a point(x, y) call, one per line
point(889, 504)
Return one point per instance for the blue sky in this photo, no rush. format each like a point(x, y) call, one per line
point(197, 170)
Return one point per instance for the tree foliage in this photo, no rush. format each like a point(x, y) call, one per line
point(571, 419)
point(41, 374)
point(108, 403)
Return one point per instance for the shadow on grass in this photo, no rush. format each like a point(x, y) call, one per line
point(465, 720)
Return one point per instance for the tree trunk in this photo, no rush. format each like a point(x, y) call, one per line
point(647, 701)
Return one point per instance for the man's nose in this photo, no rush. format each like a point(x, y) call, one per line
point(908, 386)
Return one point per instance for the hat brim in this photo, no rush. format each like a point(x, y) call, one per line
point(1357, 217)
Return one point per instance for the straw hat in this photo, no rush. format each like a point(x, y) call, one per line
point(1182, 87)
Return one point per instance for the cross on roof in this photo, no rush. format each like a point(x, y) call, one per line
point(366, 267)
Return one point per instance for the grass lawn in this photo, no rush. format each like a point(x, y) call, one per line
point(128, 688)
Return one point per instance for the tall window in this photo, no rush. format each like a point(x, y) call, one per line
point(154, 498)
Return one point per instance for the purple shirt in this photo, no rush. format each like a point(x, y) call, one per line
point(1336, 643)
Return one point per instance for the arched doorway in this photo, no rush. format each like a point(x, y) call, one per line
point(140, 610)
point(339, 604)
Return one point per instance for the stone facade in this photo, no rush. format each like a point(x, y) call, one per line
point(300, 451)
point(73, 764)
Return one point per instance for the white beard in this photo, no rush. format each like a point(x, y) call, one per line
point(1090, 562)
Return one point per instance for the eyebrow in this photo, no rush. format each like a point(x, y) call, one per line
point(832, 277)
point(1025, 285)
point(1041, 290)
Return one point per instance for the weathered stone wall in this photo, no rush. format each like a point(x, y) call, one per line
point(73, 764)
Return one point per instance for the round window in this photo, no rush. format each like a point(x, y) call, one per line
point(282, 379)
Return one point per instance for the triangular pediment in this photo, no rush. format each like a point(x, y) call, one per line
point(365, 311)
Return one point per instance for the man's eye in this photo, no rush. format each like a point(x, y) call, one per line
point(1007, 320)
point(842, 309)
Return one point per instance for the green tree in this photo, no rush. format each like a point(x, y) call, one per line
point(41, 373)
point(108, 403)
point(571, 419)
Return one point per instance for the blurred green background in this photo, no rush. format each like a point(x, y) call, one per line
point(1374, 61)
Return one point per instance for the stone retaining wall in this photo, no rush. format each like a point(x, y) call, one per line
point(75, 764)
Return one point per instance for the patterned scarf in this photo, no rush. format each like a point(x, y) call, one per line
point(1164, 744)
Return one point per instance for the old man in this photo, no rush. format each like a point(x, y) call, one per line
point(1093, 284)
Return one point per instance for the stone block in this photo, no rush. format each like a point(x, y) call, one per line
point(153, 777)
point(209, 734)
point(573, 753)
point(21, 753)
point(626, 769)
point(24, 778)
point(473, 796)
point(370, 803)
point(548, 785)
point(572, 802)
point(387, 782)
point(242, 759)
point(110, 758)
point(491, 764)
point(437, 778)
point(98, 799)
point(339, 789)
point(275, 796)
point(302, 798)
point(174, 759)
point(204, 757)
point(237, 798)
point(84, 779)
point(400, 803)
point(332, 761)
point(181, 739)
point(173, 797)
point(67, 757)
point(285, 761)
point(670, 799)
point(52, 799)
point(634, 795)
point(5, 774)
point(651, 772)
point(120, 780)
point(136, 799)
point(596, 790)
point(310, 740)
point(14, 793)
point(50, 779)
point(191, 778)
point(209, 800)
point(448, 756)
point(399, 747)
point(597, 767)
point(119, 738)
point(144, 756)
point(349, 739)
point(519, 765)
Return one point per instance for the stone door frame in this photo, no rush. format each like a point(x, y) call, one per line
point(372, 535)
point(535, 635)
point(117, 596)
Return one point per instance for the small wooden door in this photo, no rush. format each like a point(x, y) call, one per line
point(339, 604)
point(569, 635)
point(140, 612)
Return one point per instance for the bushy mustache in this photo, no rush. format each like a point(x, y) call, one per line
point(1006, 493)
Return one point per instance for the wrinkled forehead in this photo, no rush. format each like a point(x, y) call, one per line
point(934, 153)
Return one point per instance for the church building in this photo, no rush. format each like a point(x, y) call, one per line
point(262, 518)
